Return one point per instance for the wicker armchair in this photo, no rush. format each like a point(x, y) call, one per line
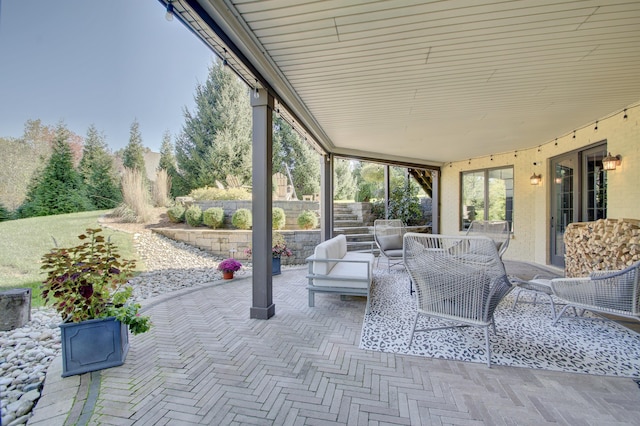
point(460, 279)
point(608, 292)
point(387, 234)
point(497, 230)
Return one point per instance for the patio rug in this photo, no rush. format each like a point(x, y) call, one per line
point(525, 336)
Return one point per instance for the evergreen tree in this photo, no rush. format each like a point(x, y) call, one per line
point(58, 188)
point(168, 163)
point(4, 214)
point(216, 138)
point(303, 162)
point(133, 153)
point(345, 182)
point(98, 172)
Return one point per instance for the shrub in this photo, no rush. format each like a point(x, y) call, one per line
point(89, 281)
point(176, 213)
point(279, 218)
point(213, 217)
point(307, 220)
point(193, 216)
point(125, 214)
point(211, 194)
point(241, 219)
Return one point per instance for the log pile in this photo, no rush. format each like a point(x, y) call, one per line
point(606, 244)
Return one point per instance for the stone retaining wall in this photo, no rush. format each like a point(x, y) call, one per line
point(221, 241)
point(606, 244)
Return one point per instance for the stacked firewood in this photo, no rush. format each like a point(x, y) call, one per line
point(606, 244)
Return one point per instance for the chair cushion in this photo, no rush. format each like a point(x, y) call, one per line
point(390, 242)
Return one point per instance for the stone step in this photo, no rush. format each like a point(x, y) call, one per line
point(351, 230)
point(347, 224)
point(345, 216)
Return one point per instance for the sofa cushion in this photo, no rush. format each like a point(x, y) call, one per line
point(334, 248)
point(340, 274)
point(390, 242)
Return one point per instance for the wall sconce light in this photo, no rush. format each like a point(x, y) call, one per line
point(169, 15)
point(535, 179)
point(610, 162)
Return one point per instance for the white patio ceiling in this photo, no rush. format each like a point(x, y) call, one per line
point(439, 81)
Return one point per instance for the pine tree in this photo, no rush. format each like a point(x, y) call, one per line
point(98, 172)
point(168, 163)
point(133, 153)
point(58, 188)
point(303, 162)
point(216, 138)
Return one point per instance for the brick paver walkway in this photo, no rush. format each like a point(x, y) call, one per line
point(206, 362)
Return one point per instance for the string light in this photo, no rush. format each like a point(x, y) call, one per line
point(595, 129)
point(169, 15)
point(624, 117)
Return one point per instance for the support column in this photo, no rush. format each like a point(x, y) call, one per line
point(326, 197)
point(387, 192)
point(262, 304)
point(435, 202)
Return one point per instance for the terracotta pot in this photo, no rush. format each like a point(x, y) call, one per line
point(227, 275)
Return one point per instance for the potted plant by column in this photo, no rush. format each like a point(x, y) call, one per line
point(87, 285)
point(278, 249)
point(228, 267)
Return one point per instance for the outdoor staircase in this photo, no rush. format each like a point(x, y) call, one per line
point(359, 236)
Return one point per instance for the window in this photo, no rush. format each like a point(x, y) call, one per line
point(486, 195)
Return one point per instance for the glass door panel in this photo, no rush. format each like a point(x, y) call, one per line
point(563, 204)
point(595, 185)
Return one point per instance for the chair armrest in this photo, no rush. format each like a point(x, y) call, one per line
point(312, 259)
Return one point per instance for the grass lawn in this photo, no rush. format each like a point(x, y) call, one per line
point(23, 243)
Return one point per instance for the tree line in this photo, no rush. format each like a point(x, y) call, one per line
point(51, 170)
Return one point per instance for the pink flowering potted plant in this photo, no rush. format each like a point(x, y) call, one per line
point(228, 267)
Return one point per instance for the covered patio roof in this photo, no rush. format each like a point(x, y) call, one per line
point(430, 82)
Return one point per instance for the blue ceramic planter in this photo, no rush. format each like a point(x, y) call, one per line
point(275, 266)
point(93, 345)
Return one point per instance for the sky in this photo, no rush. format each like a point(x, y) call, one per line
point(107, 63)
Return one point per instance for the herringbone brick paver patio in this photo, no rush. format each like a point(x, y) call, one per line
point(206, 362)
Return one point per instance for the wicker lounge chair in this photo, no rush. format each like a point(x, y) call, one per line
point(497, 230)
point(387, 234)
point(608, 292)
point(460, 279)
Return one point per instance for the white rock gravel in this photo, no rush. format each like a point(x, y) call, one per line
point(26, 352)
